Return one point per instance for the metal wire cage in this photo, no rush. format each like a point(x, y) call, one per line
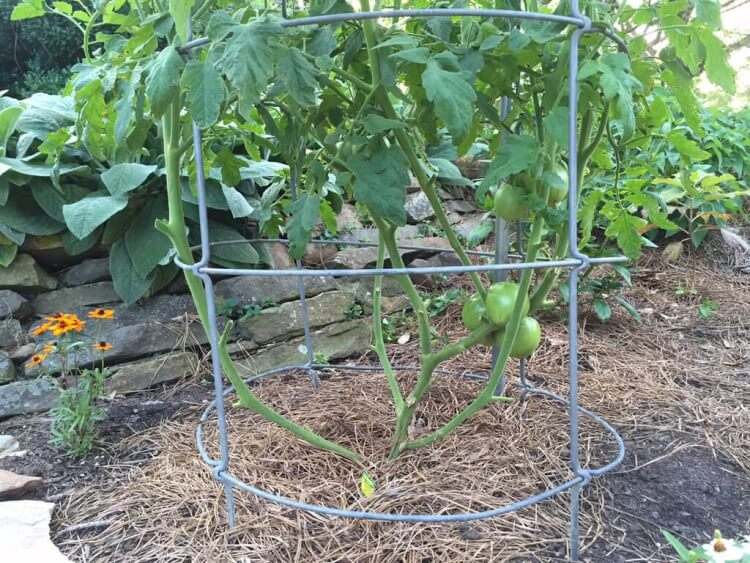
point(575, 262)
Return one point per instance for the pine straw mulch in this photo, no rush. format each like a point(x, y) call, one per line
point(676, 385)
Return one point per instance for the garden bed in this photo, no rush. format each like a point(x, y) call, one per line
point(674, 385)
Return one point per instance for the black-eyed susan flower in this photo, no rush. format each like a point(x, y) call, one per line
point(102, 346)
point(41, 329)
point(102, 314)
point(35, 360)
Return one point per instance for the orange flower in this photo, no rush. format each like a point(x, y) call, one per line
point(102, 314)
point(49, 348)
point(41, 329)
point(102, 346)
point(36, 360)
point(66, 325)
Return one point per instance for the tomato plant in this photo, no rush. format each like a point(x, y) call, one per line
point(354, 109)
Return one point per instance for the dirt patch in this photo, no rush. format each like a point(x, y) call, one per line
point(676, 385)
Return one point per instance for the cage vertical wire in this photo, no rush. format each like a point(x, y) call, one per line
point(576, 262)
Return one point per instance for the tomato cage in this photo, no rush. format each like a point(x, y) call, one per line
point(498, 267)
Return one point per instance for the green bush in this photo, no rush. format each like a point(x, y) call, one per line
point(35, 53)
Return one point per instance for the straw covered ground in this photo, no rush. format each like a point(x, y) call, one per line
point(676, 385)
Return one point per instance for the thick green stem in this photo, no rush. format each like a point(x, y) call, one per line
point(377, 332)
point(174, 229)
point(87, 36)
point(511, 331)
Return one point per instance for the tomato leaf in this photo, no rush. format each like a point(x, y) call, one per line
point(380, 183)
point(205, 91)
point(163, 82)
point(298, 76)
point(602, 309)
point(517, 153)
point(452, 96)
point(305, 214)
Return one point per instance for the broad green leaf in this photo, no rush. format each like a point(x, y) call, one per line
point(556, 126)
point(7, 254)
point(517, 153)
point(37, 170)
point(205, 92)
point(708, 12)
point(452, 96)
point(51, 200)
point(44, 114)
point(380, 183)
point(27, 9)
point(298, 76)
point(180, 12)
point(22, 214)
point(602, 309)
point(375, 124)
point(237, 203)
point(12, 235)
point(718, 69)
point(449, 172)
point(418, 55)
point(163, 82)
point(248, 58)
point(128, 284)
point(8, 119)
point(83, 216)
point(4, 191)
point(74, 246)
point(63, 7)
point(146, 246)
point(687, 147)
point(122, 178)
point(240, 253)
point(304, 216)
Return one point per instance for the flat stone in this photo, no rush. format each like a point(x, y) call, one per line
point(24, 532)
point(363, 257)
point(9, 447)
point(26, 276)
point(11, 334)
point(418, 207)
point(22, 352)
point(286, 320)
point(13, 305)
point(438, 260)
point(27, 396)
point(14, 486)
point(88, 271)
point(371, 235)
point(136, 376)
point(332, 342)
point(7, 369)
point(319, 254)
point(460, 206)
point(75, 297)
point(259, 290)
point(278, 256)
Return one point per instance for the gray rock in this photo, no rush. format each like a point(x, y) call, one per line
point(13, 305)
point(7, 369)
point(468, 225)
point(460, 206)
point(259, 290)
point(22, 352)
point(362, 257)
point(278, 256)
point(71, 298)
point(438, 260)
point(286, 320)
point(27, 396)
point(319, 254)
point(348, 219)
point(24, 532)
point(14, 486)
point(418, 207)
point(11, 334)
point(135, 376)
point(88, 271)
point(371, 235)
point(25, 275)
point(9, 447)
point(332, 342)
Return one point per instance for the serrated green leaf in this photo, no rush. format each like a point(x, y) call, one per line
point(625, 229)
point(83, 216)
point(146, 246)
point(517, 153)
point(380, 183)
point(128, 284)
point(299, 76)
point(375, 124)
point(708, 12)
point(681, 85)
point(163, 82)
point(418, 55)
point(304, 216)
point(556, 126)
point(248, 58)
point(27, 9)
point(63, 7)
point(180, 12)
point(629, 307)
point(718, 69)
point(687, 147)
point(122, 178)
point(452, 96)
point(205, 92)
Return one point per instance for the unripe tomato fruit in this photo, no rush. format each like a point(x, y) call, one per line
point(527, 340)
point(473, 312)
point(557, 179)
point(510, 203)
point(500, 301)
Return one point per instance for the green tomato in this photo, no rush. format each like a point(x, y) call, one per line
point(527, 340)
point(473, 312)
point(510, 203)
point(557, 180)
point(501, 299)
